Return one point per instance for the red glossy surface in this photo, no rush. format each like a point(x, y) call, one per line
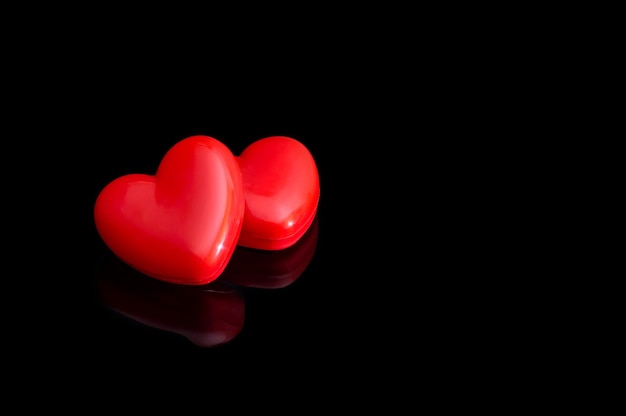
point(282, 190)
point(272, 269)
point(207, 316)
point(182, 224)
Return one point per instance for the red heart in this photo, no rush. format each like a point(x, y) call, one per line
point(282, 190)
point(182, 224)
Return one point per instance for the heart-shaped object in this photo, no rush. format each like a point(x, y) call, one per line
point(282, 189)
point(182, 224)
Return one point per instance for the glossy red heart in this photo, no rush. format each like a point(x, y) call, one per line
point(282, 189)
point(182, 224)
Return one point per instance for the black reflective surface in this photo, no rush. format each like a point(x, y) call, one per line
point(389, 277)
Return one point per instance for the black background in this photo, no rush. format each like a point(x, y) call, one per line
point(440, 267)
point(390, 281)
point(410, 247)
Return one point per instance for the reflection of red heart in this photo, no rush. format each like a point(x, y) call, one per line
point(282, 189)
point(182, 224)
point(208, 316)
point(272, 269)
